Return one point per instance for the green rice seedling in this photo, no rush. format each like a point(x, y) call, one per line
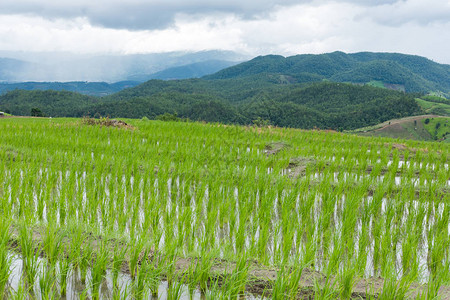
point(30, 254)
point(371, 294)
point(395, 290)
point(346, 280)
point(117, 262)
point(98, 270)
point(84, 295)
point(215, 292)
point(147, 277)
point(170, 268)
point(140, 282)
point(392, 287)
point(136, 248)
point(432, 290)
point(377, 258)
point(120, 293)
point(334, 256)
point(85, 261)
point(5, 257)
point(324, 289)
point(280, 285)
point(437, 253)
point(20, 293)
point(5, 272)
point(75, 250)
point(202, 270)
point(174, 290)
point(64, 273)
point(239, 277)
point(190, 280)
point(47, 284)
point(293, 282)
point(409, 258)
point(154, 273)
point(51, 243)
point(363, 244)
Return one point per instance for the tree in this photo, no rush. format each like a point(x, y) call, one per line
point(167, 117)
point(36, 112)
point(260, 122)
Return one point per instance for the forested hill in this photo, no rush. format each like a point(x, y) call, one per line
point(324, 105)
point(405, 72)
point(305, 91)
point(82, 87)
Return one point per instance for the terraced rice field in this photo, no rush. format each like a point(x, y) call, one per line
point(190, 210)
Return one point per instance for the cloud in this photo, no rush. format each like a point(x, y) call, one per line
point(411, 11)
point(273, 27)
point(153, 14)
point(138, 15)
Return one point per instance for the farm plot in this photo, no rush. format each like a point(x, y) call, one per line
point(222, 211)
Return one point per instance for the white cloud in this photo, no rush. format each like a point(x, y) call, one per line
point(23, 33)
point(411, 26)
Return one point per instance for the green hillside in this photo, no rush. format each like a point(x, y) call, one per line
point(387, 72)
point(415, 73)
point(323, 105)
point(439, 128)
point(50, 103)
point(409, 128)
point(434, 105)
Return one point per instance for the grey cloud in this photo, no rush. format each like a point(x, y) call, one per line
point(411, 11)
point(137, 14)
point(152, 14)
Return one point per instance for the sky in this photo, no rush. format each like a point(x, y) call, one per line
point(253, 27)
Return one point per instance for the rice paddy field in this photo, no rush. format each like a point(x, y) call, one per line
point(163, 210)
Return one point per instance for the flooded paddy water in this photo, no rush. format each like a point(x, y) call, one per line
point(80, 289)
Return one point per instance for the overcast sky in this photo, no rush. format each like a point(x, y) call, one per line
point(252, 27)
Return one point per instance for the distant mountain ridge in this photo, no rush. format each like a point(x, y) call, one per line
point(415, 73)
point(85, 88)
point(195, 70)
point(10, 67)
point(62, 67)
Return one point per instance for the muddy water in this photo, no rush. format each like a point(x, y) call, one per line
point(76, 289)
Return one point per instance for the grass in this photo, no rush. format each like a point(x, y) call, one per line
point(375, 83)
point(439, 128)
point(213, 207)
point(432, 107)
point(406, 128)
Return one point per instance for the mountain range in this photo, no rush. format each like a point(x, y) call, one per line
point(333, 91)
point(64, 67)
point(409, 73)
